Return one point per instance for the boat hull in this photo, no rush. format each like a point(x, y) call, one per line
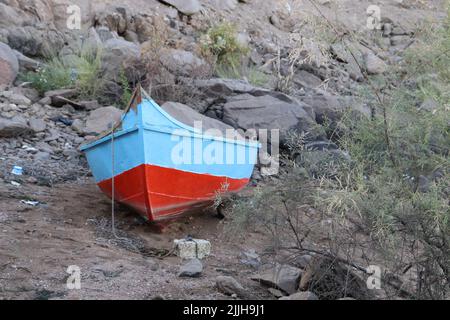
point(159, 193)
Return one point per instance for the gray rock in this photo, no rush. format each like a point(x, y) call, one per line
point(114, 19)
point(193, 268)
point(42, 156)
point(423, 184)
point(189, 116)
point(250, 258)
point(181, 62)
point(45, 101)
point(373, 64)
point(275, 292)
point(223, 88)
point(225, 4)
point(78, 125)
point(37, 40)
point(187, 7)
point(306, 295)
point(101, 119)
point(269, 112)
point(37, 125)
point(9, 16)
point(19, 99)
point(65, 93)
point(105, 34)
point(429, 105)
point(327, 107)
point(302, 261)
point(13, 128)
point(307, 80)
point(9, 65)
point(118, 54)
point(282, 277)
point(90, 105)
point(229, 286)
point(25, 63)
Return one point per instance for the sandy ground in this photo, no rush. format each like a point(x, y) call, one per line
point(71, 226)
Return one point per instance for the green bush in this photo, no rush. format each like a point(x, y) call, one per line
point(221, 44)
point(54, 74)
point(88, 67)
point(80, 71)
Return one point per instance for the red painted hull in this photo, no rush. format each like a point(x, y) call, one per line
point(162, 193)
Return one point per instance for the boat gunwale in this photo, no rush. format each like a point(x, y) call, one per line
point(158, 128)
point(171, 131)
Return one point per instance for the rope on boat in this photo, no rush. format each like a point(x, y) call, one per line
point(113, 191)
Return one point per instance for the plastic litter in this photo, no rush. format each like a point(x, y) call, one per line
point(30, 203)
point(17, 170)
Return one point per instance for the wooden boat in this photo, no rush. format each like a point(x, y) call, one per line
point(140, 160)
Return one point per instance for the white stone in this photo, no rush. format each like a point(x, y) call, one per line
point(190, 249)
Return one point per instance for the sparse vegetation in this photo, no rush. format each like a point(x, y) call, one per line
point(80, 71)
point(126, 89)
point(220, 45)
point(54, 74)
point(390, 200)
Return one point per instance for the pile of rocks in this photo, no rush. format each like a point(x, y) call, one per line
point(44, 139)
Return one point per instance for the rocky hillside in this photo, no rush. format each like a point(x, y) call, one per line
point(300, 66)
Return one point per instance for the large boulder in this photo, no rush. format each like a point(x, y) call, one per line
point(246, 111)
point(187, 7)
point(184, 63)
point(118, 54)
point(331, 108)
point(190, 117)
point(101, 120)
point(222, 88)
point(9, 65)
point(39, 40)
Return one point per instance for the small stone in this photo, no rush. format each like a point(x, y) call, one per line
point(45, 101)
point(281, 277)
point(229, 286)
point(78, 125)
point(250, 258)
point(193, 268)
point(37, 125)
point(275, 292)
point(42, 156)
point(373, 64)
point(19, 99)
point(306, 295)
